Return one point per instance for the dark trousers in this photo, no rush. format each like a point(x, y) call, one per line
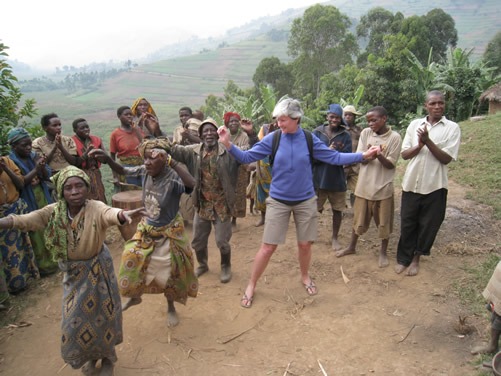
point(421, 218)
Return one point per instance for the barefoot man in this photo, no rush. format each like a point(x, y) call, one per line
point(374, 191)
point(430, 144)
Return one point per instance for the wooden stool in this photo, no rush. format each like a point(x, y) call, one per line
point(128, 200)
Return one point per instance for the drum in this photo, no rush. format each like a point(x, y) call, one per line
point(128, 200)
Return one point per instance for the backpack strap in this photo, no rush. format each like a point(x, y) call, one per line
point(309, 141)
point(276, 141)
point(274, 146)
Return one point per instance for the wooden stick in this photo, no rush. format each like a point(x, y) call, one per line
point(231, 338)
point(322, 368)
point(407, 335)
point(287, 369)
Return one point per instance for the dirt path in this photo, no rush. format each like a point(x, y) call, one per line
point(378, 323)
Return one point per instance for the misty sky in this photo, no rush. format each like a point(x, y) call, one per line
point(46, 34)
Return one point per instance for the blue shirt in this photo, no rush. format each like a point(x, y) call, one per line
point(291, 175)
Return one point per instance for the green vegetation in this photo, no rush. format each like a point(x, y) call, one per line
point(479, 161)
point(475, 280)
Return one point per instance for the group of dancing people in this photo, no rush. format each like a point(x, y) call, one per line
point(55, 214)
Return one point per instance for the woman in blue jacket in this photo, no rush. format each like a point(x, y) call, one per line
point(291, 189)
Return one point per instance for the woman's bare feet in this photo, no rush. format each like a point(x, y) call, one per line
point(129, 302)
point(89, 368)
point(344, 252)
point(399, 268)
point(106, 367)
point(172, 318)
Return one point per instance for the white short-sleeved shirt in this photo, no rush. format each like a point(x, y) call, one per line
point(425, 173)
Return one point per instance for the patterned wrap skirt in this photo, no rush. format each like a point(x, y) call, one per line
point(158, 260)
point(18, 258)
point(92, 312)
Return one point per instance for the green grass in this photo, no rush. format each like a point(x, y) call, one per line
point(474, 281)
point(479, 163)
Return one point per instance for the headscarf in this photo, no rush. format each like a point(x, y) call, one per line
point(136, 102)
point(227, 116)
point(154, 143)
point(16, 134)
point(56, 233)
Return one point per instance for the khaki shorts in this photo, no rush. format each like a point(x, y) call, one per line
point(382, 211)
point(278, 216)
point(336, 199)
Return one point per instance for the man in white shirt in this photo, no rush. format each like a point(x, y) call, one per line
point(430, 144)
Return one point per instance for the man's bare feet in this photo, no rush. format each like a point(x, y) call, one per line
point(129, 302)
point(484, 349)
point(383, 261)
point(399, 268)
point(335, 245)
point(413, 269)
point(344, 252)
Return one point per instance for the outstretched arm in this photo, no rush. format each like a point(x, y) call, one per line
point(104, 157)
point(6, 223)
point(188, 180)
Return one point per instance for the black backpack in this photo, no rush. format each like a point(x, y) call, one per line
point(276, 141)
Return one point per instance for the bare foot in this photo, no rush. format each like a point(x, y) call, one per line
point(383, 261)
point(172, 319)
point(484, 349)
point(129, 302)
point(412, 270)
point(399, 268)
point(106, 367)
point(335, 245)
point(260, 222)
point(344, 252)
point(89, 368)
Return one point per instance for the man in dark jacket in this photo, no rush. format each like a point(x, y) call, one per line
point(330, 180)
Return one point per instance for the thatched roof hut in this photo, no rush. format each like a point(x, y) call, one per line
point(493, 95)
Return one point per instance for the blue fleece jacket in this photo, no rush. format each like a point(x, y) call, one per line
point(291, 176)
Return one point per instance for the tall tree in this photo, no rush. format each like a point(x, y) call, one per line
point(442, 33)
point(271, 71)
point(373, 27)
point(492, 54)
point(320, 42)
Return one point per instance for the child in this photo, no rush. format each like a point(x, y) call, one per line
point(492, 294)
point(374, 191)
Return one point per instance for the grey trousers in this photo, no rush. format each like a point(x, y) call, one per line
point(201, 231)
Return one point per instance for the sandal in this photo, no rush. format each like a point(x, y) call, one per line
point(311, 288)
point(246, 302)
